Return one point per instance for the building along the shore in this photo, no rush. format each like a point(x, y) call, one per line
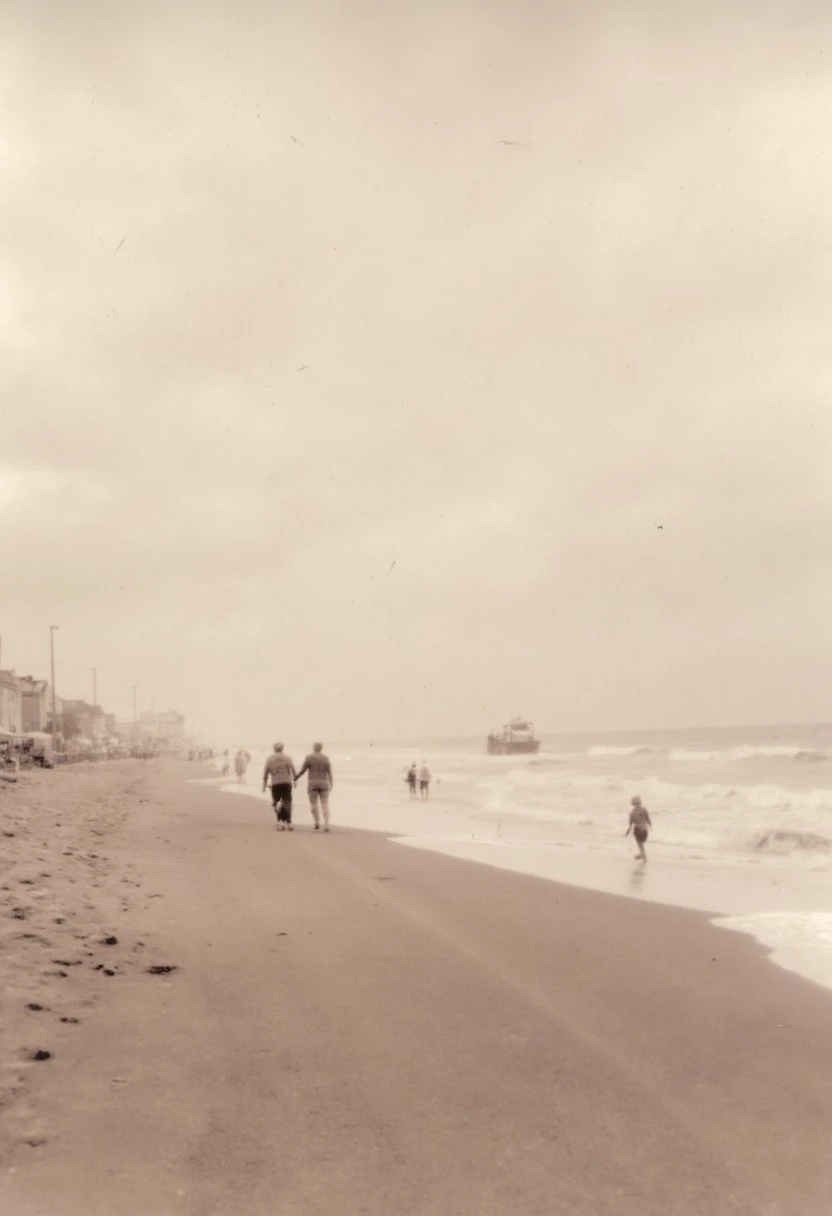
point(85, 721)
point(165, 730)
point(36, 704)
point(11, 717)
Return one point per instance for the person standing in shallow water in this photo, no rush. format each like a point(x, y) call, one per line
point(411, 780)
point(279, 772)
point(424, 781)
point(319, 784)
point(640, 824)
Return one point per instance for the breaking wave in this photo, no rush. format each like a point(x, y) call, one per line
point(693, 755)
point(781, 840)
point(755, 820)
point(640, 749)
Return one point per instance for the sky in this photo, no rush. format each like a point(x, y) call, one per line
point(383, 369)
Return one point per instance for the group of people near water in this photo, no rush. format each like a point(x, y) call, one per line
point(279, 773)
point(281, 777)
point(422, 775)
point(241, 762)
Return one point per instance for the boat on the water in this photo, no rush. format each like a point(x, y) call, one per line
point(515, 738)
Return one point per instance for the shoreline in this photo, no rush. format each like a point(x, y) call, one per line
point(787, 909)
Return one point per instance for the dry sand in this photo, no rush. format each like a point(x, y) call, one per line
point(354, 1027)
point(61, 895)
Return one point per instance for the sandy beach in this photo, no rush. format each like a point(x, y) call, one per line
point(351, 1026)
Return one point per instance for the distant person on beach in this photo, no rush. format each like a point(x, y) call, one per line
point(424, 780)
point(411, 780)
point(640, 824)
point(241, 764)
point(279, 772)
point(319, 783)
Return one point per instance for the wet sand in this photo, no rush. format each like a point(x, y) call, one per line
point(355, 1027)
point(786, 905)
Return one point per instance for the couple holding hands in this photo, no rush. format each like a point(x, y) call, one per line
point(279, 773)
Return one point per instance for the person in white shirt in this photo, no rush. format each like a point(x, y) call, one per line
point(424, 780)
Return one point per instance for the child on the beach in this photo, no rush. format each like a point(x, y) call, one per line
point(640, 824)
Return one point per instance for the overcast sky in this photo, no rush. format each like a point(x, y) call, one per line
point(384, 368)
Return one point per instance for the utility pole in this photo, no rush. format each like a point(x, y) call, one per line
point(52, 629)
point(95, 687)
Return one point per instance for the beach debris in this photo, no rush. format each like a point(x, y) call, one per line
point(19, 913)
point(34, 1006)
point(162, 969)
point(40, 1054)
point(112, 940)
point(70, 1021)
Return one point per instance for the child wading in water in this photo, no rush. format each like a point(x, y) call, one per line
point(640, 824)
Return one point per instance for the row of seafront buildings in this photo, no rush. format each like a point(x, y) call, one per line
point(26, 708)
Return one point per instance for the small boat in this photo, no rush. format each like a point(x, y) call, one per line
point(514, 739)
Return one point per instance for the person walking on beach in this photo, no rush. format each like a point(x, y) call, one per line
point(319, 783)
point(279, 772)
point(241, 764)
point(411, 780)
point(424, 781)
point(640, 824)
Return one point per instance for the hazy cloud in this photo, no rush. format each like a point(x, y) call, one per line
point(577, 389)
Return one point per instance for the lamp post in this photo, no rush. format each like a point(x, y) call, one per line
point(52, 629)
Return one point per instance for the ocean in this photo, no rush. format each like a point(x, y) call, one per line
point(742, 819)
